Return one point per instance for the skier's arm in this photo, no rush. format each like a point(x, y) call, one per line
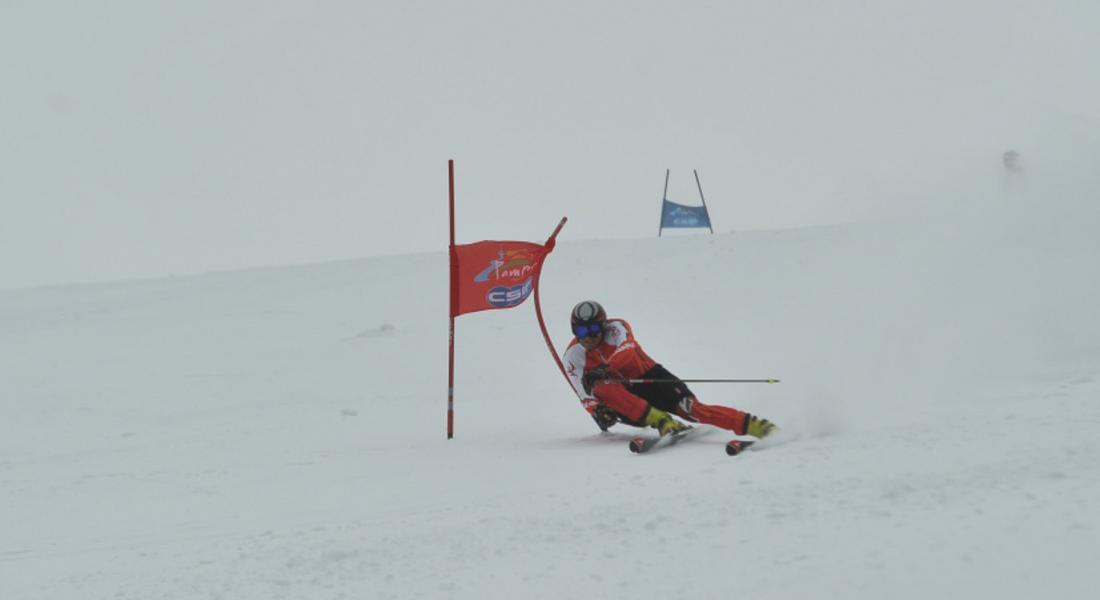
point(574, 369)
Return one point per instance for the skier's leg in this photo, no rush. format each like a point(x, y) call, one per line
point(719, 416)
point(677, 398)
point(665, 395)
point(737, 421)
point(634, 410)
point(619, 399)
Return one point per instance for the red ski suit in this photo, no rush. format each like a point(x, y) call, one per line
point(624, 356)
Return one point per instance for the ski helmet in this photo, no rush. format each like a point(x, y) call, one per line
point(588, 313)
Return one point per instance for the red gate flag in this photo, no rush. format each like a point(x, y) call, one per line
point(491, 275)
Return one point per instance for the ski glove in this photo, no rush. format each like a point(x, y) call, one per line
point(604, 417)
point(597, 374)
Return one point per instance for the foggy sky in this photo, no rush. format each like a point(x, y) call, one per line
point(161, 139)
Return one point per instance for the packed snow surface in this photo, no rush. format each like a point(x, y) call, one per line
point(280, 433)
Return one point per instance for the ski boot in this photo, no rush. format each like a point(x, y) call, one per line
point(663, 422)
point(757, 427)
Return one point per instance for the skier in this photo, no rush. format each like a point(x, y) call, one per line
point(604, 354)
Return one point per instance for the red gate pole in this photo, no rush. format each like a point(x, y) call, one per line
point(538, 307)
point(453, 308)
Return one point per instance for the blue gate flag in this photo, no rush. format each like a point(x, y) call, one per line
point(678, 215)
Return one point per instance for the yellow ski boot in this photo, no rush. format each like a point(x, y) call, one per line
point(761, 428)
point(663, 422)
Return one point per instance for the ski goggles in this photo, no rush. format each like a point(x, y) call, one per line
point(585, 330)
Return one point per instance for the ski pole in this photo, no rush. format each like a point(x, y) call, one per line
point(635, 381)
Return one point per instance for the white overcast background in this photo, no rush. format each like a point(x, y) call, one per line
point(149, 139)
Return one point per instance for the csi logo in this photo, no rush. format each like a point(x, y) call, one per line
point(502, 297)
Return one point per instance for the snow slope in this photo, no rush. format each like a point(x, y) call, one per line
point(280, 433)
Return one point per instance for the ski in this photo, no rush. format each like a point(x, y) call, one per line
point(734, 447)
point(643, 443)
